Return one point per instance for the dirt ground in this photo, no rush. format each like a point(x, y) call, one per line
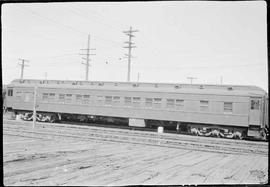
point(69, 161)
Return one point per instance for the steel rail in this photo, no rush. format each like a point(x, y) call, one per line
point(51, 131)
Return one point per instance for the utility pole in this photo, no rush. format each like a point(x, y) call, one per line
point(87, 59)
point(191, 79)
point(35, 107)
point(129, 33)
point(22, 64)
point(221, 79)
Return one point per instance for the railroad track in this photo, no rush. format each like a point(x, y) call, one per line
point(52, 131)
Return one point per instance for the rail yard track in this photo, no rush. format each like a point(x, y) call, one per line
point(72, 154)
point(217, 145)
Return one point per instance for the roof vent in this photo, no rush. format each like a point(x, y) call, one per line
point(135, 85)
point(100, 83)
point(201, 87)
point(177, 86)
point(230, 88)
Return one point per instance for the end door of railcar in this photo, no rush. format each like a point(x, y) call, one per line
point(255, 116)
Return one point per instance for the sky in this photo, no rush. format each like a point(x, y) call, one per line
point(214, 42)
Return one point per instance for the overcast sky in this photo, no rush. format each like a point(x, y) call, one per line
point(176, 40)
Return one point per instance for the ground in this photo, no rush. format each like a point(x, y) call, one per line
point(63, 160)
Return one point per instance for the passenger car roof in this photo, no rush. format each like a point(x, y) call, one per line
point(144, 86)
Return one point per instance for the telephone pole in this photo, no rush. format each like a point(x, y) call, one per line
point(130, 46)
point(191, 79)
point(87, 58)
point(35, 106)
point(221, 79)
point(22, 64)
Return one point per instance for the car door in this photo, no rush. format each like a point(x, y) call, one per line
point(255, 111)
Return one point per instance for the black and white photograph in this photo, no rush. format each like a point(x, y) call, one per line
point(135, 93)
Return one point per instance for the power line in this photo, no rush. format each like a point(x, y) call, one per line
point(116, 23)
point(32, 34)
point(87, 17)
point(69, 27)
point(87, 59)
point(130, 46)
point(23, 65)
point(53, 21)
point(202, 67)
point(57, 56)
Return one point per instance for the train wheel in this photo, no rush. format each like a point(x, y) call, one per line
point(238, 135)
point(264, 134)
point(215, 133)
point(194, 131)
point(52, 119)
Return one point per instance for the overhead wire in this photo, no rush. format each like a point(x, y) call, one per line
point(57, 56)
point(115, 42)
point(203, 67)
point(87, 17)
point(96, 19)
point(101, 38)
point(53, 21)
point(36, 34)
point(65, 26)
point(111, 20)
point(70, 27)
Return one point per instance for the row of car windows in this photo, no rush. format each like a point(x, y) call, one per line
point(170, 103)
point(177, 104)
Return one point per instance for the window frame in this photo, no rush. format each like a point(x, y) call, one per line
point(116, 100)
point(204, 107)
point(10, 92)
point(255, 104)
point(136, 101)
point(169, 104)
point(79, 99)
point(68, 98)
point(61, 98)
point(85, 99)
point(179, 104)
point(127, 101)
point(108, 100)
point(157, 102)
point(46, 99)
point(51, 97)
point(100, 100)
point(228, 109)
point(148, 102)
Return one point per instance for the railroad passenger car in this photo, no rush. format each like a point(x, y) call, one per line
point(219, 110)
